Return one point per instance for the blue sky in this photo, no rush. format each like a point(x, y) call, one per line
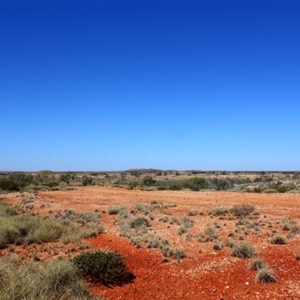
point(112, 85)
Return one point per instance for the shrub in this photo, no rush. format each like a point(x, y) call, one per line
point(193, 213)
point(219, 211)
point(175, 187)
point(139, 222)
point(265, 275)
point(217, 246)
point(177, 254)
point(242, 210)
point(256, 263)
point(113, 210)
point(278, 240)
point(148, 181)
point(210, 233)
point(181, 230)
point(86, 181)
point(106, 267)
point(52, 184)
point(243, 250)
point(9, 185)
point(187, 222)
point(196, 183)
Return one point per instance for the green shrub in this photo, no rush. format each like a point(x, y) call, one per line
point(175, 187)
point(243, 250)
point(9, 185)
point(149, 181)
point(86, 181)
point(196, 183)
point(106, 267)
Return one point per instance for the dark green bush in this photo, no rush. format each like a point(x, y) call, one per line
point(242, 210)
point(139, 222)
point(9, 185)
point(278, 240)
point(148, 180)
point(196, 183)
point(87, 181)
point(51, 184)
point(106, 267)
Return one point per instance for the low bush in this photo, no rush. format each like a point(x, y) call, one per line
point(243, 250)
point(177, 254)
point(278, 240)
point(9, 185)
point(256, 263)
point(242, 210)
point(105, 267)
point(265, 275)
point(219, 211)
point(113, 210)
point(139, 222)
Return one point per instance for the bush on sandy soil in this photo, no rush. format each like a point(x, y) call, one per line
point(39, 281)
point(177, 254)
point(217, 245)
point(243, 250)
point(113, 210)
point(265, 275)
point(139, 222)
point(210, 233)
point(187, 222)
point(242, 210)
point(106, 267)
point(219, 211)
point(193, 213)
point(278, 240)
point(256, 263)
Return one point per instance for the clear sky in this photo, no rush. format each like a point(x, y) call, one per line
point(112, 85)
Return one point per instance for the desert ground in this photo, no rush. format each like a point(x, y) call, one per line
point(185, 251)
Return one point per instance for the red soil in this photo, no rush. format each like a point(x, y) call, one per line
point(204, 273)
